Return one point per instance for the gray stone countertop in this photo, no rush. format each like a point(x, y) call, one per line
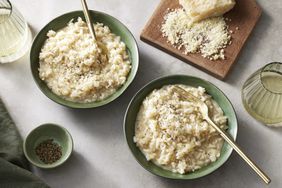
point(102, 158)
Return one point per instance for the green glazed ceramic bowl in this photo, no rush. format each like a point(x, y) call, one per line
point(48, 131)
point(60, 22)
point(133, 108)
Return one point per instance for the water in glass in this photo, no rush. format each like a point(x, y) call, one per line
point(15, 36)
point(262, 94)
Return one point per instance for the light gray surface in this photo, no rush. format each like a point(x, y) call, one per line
point(101, 158)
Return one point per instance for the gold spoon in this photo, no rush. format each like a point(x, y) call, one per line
point(92, 30)
point(88, 20)
point(205, 112)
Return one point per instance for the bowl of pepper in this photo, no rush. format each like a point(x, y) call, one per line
point(48, 146)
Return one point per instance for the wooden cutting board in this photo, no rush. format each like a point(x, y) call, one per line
point(244, 15)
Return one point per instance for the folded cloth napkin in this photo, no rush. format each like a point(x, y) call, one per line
point(14, 168)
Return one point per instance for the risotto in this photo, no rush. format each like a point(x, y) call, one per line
point(77, 68)
point(172, 133)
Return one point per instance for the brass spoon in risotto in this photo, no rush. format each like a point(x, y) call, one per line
point(92, 30)
point(205, 112)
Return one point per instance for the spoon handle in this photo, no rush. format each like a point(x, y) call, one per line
point(230, 141)
point(88, 19)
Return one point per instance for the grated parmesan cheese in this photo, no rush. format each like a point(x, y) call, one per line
point(208, 37)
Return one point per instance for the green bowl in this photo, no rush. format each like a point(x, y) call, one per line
point(133, 109)
point(60, 22)
point(48, 131)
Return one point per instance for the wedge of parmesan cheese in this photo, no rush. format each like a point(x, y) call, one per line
point(202, 9)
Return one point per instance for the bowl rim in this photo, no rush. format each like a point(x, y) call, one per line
point(54, 165)
point(228, 154)
point(78, 105)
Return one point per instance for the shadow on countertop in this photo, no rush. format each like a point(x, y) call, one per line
point(75, 173)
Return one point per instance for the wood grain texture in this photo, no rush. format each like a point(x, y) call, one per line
point(244, 15)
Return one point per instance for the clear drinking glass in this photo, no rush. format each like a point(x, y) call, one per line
point(262, 94)
point(15, 35)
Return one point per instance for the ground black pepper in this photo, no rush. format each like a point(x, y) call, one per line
point(48, 151)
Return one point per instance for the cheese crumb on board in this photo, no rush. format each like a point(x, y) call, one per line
point(208, 37)
point(202, 9)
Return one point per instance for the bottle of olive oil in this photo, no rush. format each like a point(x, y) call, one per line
point(262, 94)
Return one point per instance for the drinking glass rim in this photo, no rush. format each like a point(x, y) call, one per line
point(11, 9)
point(260, 77)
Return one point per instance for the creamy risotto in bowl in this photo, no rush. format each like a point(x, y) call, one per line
point(73, 70)
point(77, 68)
point(170, 131)
point(166, 134)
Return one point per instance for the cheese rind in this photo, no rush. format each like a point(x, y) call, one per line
point(202, 9)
